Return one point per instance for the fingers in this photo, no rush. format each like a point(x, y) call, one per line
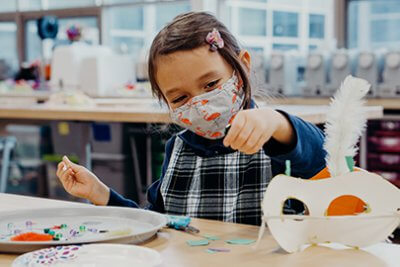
point(252, 142)
point(63, 170)
point(66, 178)
point(236, 127)
point(245, 134)
point(70, 164)
point(249, 132)
point(258, 145)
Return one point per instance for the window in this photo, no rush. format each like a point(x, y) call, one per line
point(8, 6)
point(280, 24)
point(373, 24)
point(285, 47)
point(312, 47)
point(129, 17)
point(130, 28)
point(252, 21)
point(26, 5)
point(166, 12)
point(8, 51)
point(34, 44)
point(286, 24)
point(317, 26)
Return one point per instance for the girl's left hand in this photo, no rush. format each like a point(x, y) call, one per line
point(252, 128)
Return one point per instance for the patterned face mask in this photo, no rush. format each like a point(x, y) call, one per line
point(208, 114)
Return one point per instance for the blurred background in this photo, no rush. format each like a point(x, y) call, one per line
point(61, 60)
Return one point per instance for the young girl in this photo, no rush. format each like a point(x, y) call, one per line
point(210, 170)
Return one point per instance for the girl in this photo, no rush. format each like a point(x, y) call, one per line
point(210, 170)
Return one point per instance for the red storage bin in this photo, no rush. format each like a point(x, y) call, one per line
point(384, 143)
point(385, 125)
point(384, 162)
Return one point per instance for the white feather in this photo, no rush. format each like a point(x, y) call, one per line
point(346, 120)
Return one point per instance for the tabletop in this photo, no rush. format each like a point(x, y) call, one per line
point(175, 252)
point(142, 111)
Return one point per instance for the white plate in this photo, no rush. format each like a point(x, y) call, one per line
point(93, 255)
point(121, 225)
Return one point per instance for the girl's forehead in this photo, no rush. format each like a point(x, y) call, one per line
point(182, 67)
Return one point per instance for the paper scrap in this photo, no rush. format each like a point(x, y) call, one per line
point(239, 241)
point(211, 237)
point(219, 249)
point(195, 243)
point(350, 163)
point(287, 170)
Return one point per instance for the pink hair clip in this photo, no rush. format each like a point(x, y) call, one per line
point(215, 40)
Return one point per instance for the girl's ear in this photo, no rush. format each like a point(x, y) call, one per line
point(245, 58)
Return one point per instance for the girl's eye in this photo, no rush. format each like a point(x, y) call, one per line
point(179, 99)
point(212, 84)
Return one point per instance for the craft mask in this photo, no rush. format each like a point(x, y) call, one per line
point(375, 224)
point(208, 114)
point(352, 207)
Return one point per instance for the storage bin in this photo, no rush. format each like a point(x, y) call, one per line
point(106, 138)
point(384, 162)
point(112, 173)
point(70, 138)
point(384, 144)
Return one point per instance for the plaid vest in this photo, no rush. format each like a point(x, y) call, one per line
point(227, 187)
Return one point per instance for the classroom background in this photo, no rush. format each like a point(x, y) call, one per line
point(73, 80)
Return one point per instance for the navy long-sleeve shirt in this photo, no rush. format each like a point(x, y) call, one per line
point(306, 155)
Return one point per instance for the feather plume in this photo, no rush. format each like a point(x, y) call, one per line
point(346, 120)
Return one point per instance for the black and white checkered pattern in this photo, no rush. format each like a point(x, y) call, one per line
point(227, 187)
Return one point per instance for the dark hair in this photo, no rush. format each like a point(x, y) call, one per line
point(188, 31)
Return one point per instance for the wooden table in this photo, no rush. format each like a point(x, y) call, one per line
point(175, 252)
point(142, 111)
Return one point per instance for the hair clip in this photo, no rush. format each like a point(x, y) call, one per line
point(215, 40)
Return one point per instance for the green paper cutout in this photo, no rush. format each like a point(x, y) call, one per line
point(195, 243)
point(240, 241)
point(287, 170)
point(350, 163)
point(210, 251)
point(211, 237)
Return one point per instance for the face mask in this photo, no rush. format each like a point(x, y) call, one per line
point(208, 114)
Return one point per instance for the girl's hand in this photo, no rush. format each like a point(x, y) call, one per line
point(252, 128)
point(80, 182)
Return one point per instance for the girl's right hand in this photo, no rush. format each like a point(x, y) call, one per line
point(80, 182)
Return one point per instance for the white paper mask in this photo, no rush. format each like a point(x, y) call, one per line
point(354, 208)
point(293, 231)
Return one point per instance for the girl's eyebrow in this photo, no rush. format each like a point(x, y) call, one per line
point(171, 91)
point(203, 77)
point(207, 75)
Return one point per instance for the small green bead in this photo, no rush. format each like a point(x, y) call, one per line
point(46, 230)
point(82, 228)
point(51, 232)
point(59, 235)
point(56, 239)
point(63, 226)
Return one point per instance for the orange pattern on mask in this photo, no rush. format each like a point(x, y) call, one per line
point(216, 135)
point(345, 205)
point(212, 116)
point(184, 120)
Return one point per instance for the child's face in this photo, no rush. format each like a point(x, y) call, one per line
point(186, 74)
